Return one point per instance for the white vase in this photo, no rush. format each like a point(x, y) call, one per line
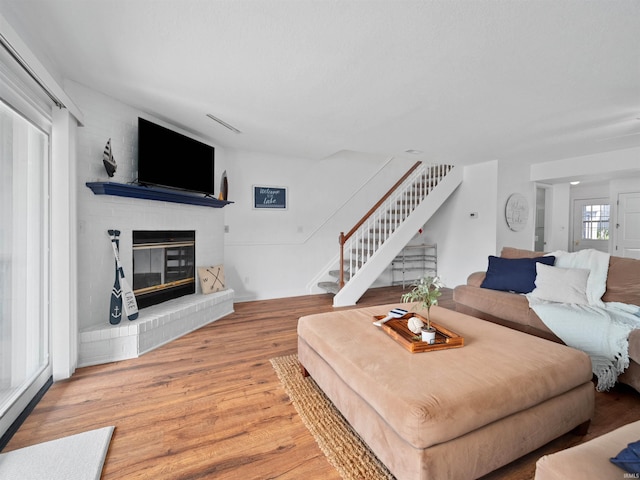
point(429, 335)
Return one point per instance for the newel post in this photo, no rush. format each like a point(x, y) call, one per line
point(341, 242)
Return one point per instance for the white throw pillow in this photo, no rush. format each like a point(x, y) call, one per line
point(596, 262)
point(564, 285)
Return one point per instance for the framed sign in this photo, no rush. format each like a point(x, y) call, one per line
point(211, 279)
point(516, 212)
point(270, 197)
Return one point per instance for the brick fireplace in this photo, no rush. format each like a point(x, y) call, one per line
point(99, 341)
point(183, 237)
point(155, 326)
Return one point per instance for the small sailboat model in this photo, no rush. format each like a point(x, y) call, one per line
point(107, 158)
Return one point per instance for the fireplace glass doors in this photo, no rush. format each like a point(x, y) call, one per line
point(163, 265)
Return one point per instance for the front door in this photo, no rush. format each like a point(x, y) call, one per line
point(628, 226)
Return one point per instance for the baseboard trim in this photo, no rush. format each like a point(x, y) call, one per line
point(4, 440)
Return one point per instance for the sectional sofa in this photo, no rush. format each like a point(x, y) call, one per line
point(512, 309)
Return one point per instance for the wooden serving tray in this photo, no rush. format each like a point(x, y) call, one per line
point(397, 329)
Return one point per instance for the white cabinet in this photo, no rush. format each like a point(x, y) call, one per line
point(414, 262)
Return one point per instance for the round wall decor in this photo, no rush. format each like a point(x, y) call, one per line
point(516, 212)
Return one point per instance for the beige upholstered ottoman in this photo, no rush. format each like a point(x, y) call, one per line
point(590, 460)
point(451, 414)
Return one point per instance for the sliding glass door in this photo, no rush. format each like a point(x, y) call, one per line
point(24, 245)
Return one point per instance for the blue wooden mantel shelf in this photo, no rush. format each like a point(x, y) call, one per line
point(152, 193)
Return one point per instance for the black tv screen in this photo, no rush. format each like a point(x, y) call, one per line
point(170, 159)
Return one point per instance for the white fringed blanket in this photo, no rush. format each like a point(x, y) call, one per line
point(599, 329)
point(601, 332)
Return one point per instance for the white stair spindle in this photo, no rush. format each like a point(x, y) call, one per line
point(386, 220)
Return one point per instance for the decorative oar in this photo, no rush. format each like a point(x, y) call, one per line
point(128, 297)
point(395, 313)
point(115, 308)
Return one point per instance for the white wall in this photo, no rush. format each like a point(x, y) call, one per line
point(107, 118)
point(465, 242)
point(279, 253)
point(266, 253)
point(514, 178)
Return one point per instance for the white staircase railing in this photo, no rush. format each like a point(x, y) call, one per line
point(376, 227)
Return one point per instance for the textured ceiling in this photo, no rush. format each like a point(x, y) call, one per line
point(461, 81)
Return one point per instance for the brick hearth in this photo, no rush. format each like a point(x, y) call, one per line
point(155, 326)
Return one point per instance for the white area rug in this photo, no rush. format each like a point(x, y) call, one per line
point(77, 457)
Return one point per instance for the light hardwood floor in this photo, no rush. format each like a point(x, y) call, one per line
point(209, 404)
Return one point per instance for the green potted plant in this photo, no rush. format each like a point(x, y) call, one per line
point(426, 290)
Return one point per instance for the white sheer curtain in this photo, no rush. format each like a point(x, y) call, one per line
point(24, 230)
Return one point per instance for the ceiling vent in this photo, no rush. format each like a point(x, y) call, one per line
point(223, 123)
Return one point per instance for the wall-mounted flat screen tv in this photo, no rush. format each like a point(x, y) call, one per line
point(170, 159)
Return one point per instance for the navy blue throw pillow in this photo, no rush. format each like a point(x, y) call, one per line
point(628, 458)
point(513, 274)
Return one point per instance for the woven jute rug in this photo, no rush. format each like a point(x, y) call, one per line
point(342, 446)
